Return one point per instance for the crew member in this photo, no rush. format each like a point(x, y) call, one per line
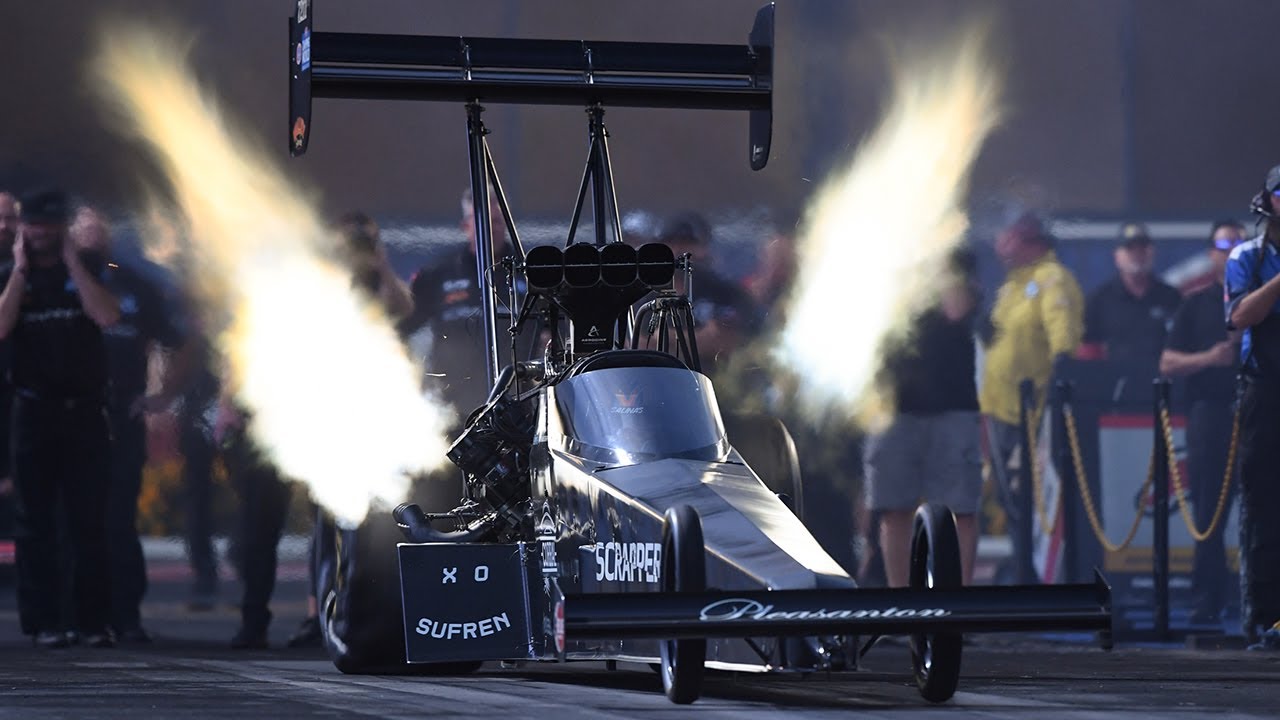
point(196, 415)
point(1126, 319)
point(1036, 321)
point(52, 310)
point(371, 274)
point(1199, 349)
point(264, 495)
point(145, 325)
point(445, 329)
point(931, 448)
point(1253, 306)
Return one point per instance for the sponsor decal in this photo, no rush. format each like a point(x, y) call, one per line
point(463, 630)
point(304, 64)
point(44, 316)
point(299, 132)
point(547, 531)
point(629, 561)
point(744, 609)
point(303, 6)
point(628, 403)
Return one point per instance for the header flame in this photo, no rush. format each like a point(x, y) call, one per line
point(333, 397)
point(877, 234)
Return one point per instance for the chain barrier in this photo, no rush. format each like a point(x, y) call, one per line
point(1180, 491)
point(1037, 479)
point(1090, 510)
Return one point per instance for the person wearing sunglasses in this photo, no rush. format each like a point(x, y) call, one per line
point(1199, 349)
point(1252, 290)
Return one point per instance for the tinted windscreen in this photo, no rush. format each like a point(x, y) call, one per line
point(628, 415)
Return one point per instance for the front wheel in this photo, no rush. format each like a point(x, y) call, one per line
point(935, 564)
point(684, 569)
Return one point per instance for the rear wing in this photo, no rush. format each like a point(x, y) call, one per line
point(540, 72)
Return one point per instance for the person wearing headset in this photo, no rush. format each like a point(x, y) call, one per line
point(1252, 291)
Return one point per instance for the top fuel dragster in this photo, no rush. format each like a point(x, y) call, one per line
point(606, 515)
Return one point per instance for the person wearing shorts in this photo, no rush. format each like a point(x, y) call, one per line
point(930, 449)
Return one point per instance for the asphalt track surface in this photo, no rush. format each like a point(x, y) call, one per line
point(190, 673)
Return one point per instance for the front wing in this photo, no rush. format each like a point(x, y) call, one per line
point(491, 602)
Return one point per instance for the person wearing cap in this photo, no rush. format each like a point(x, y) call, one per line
point(1199, 349)
point(53, 310)
point(1128, 317)
point(1252, 291)
point(1037, 320)
point(147, 324)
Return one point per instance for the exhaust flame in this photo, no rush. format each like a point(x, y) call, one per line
point(877, 233)
point(332, 395)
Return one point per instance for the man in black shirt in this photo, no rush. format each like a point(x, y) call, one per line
point(1126, 319)
point(931, 447)
point(445, 329)
point(52, 311)
point(145, 325)
point(264, 494)
point(1199, 348)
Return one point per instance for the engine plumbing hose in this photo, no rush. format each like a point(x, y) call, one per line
point(417, 528)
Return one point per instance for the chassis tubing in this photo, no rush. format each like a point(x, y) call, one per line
point(870, 612)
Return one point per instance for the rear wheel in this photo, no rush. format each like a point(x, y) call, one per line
point(684, 569)
point(768, 448)
point(935, 564)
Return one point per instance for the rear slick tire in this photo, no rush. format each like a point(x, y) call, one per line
point(935, 564)
point(684, 569)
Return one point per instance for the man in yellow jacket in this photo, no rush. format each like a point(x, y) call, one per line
point(1038, 317)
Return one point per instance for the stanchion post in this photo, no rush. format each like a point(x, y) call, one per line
point(1067, 485)
point(1025, 498)
point(1160, 512)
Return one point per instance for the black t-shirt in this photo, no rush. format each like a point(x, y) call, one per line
point(145, 318)
point(1197, 326)
point(934, 372)
point(1133, 329)
point(446, 328)
point(58, 352)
